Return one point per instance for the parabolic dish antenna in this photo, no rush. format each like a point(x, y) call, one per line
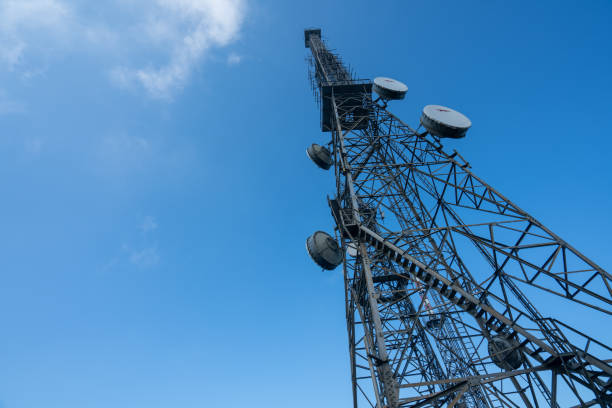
point(320, 155)
point(324, 250)
point(389, 88)
point(445, 122)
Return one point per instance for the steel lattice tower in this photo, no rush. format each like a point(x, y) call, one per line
point(440, 269)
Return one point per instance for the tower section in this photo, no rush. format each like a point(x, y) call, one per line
point(444, 277)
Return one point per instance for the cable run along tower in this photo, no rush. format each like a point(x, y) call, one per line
point(442, 273)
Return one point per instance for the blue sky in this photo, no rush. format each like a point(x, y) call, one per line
point(156, 194)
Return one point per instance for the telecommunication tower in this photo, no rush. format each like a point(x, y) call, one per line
point(441, 271)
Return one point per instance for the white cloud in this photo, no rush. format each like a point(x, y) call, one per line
point(20, 20)
point(11, 52)
point(145, 255)
point(208, 23)
point(145, 258)
point(17, 14)
point(157, 45)
point(9, 106)
point(148, 224)
point(233, 59)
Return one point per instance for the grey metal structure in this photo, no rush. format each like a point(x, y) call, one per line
point(442, 271)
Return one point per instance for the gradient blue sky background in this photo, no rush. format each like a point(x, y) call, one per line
point(156, 195)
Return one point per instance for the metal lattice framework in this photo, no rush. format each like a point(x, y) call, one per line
point(439, 270)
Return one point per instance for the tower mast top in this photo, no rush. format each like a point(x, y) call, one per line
point(331, 80)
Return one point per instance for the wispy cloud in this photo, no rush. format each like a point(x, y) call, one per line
point(9, 106)
point(11, 52)
point(148, 256)
point(193, 27)
point(148, 224)
point(144, 255)
point(21, 20)
point(16, 14)
point(119, 156)
point(176, 34)
point(145, 258)
point(234, 59)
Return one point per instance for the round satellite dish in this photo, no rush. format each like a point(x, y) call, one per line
point(324, 250)
point(445, 122)
point(389, 88)
point(504, 353)
point(320, 155)
point(351, 249)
